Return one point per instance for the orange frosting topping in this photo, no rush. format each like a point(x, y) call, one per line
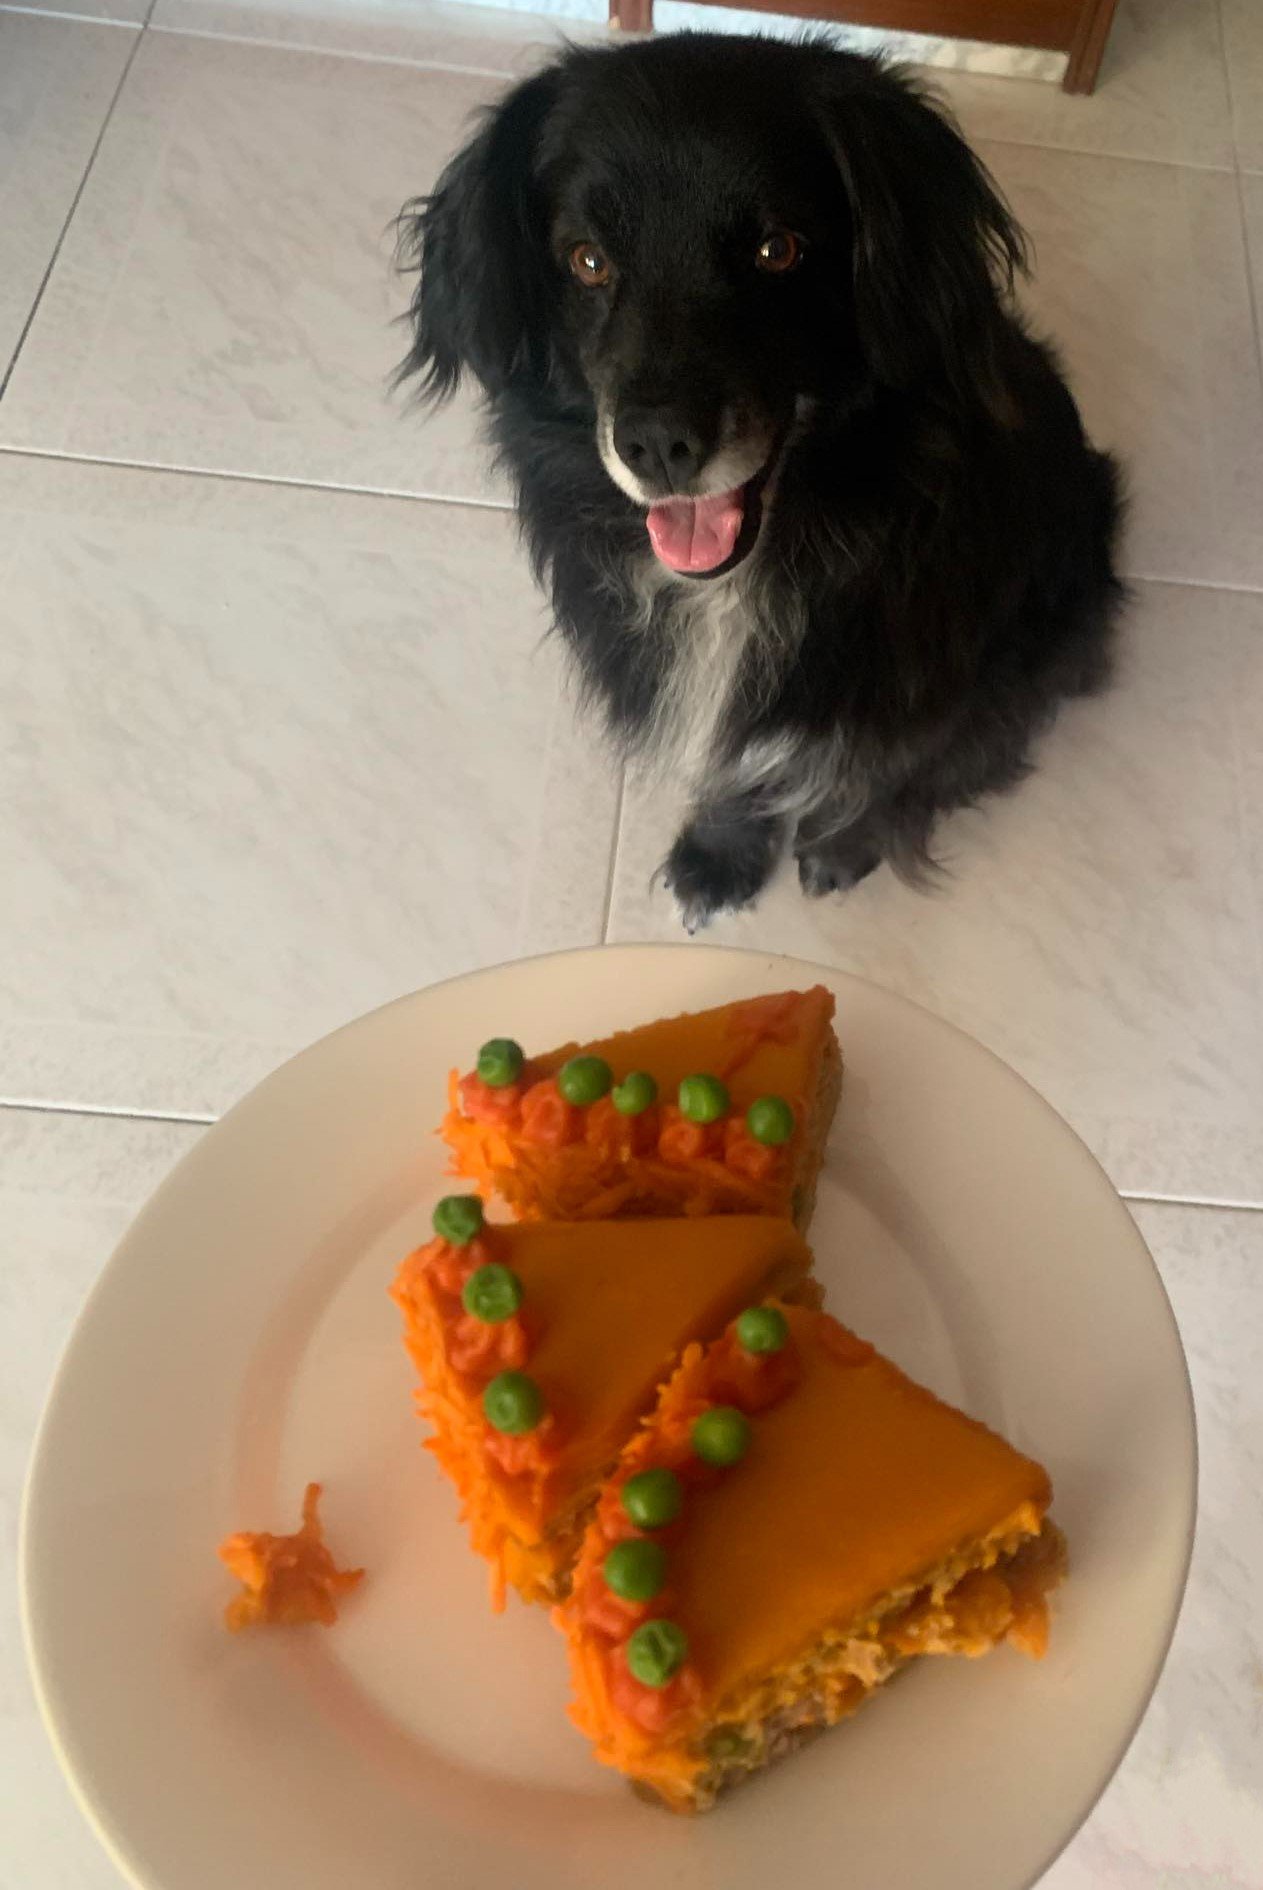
point(605, 1312)
point(857, 1483)
point(758, 1047)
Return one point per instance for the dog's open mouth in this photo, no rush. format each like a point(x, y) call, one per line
point(697, 535)
point(702, 537)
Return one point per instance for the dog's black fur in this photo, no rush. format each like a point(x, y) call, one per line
point(925, 565)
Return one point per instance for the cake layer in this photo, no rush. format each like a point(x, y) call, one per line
point(605, 1312)
point(550, 1157)
point(993, 1590)
point(865, 1522)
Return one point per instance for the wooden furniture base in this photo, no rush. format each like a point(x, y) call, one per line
point(1079, 28)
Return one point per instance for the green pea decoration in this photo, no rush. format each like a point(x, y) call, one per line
point(636, 1093)
point(635, 1569)
point(762, 1329)
point(584, 1080)
point(458, 1218)
point(500, 1062)
point(492, 1293)
point(770, 1120)
point(513, 1403)
point(656, 1651)
point(721, 1436)
point(702, 1098)
point(653, 1499)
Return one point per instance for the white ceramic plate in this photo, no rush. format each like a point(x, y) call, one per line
point(240, 1342)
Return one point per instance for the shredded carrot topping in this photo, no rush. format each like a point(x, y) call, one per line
point(504, 1482)
point(287, 1579)
point(478, 1147)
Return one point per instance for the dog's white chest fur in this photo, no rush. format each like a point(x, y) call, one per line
point(721, 635)
point(711, 628)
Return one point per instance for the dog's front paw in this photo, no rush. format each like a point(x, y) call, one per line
point(708, 875)
point(835, 865)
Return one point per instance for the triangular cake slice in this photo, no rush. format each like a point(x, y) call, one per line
point(834, 1521)
point(723, 1111)
point(542, 1345)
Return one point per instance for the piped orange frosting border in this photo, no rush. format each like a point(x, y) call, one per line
point(504, 1483)
point(552, 1161)
point(637, 1728)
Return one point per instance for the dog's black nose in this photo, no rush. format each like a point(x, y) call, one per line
point(660, 445)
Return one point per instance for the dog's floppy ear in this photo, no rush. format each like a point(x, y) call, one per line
point(480, 243)
point(935, 247)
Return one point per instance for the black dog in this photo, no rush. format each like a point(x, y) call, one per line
point(818, 517)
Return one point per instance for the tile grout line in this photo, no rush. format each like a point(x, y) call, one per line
point(1226, 1204)
point(510, 75)
point(337, 52)
point(282, 480)
point(1229, 1204)
point(1187, 583)
point(76, 19)
point(161, 468)
point(74, 205)
point(1256, 314)
point(617, 841)
point(1226, 66)
point(107, 1111)
point(979, 138)
point(420, 63)
point(1239, 172)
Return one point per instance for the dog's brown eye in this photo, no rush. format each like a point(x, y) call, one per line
point(778, 253)
point(590, 264)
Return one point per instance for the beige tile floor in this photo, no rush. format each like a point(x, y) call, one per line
point(251, 609)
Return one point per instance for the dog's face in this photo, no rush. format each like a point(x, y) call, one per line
point(699, 244)
point(702, 248)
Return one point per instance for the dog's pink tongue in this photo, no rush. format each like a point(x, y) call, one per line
point(696, 534)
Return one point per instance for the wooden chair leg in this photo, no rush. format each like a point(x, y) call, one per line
point(1087, 48)
point(631, 16)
